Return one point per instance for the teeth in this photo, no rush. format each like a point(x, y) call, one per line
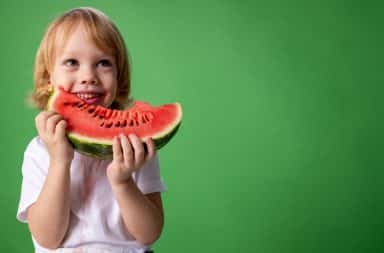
point(87, 95)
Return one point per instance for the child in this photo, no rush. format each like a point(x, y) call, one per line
point(75, 203)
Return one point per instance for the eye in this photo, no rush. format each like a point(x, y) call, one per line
point(71, 62)
point(104, 63)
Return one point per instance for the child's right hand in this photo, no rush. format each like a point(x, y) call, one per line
point(51, 128)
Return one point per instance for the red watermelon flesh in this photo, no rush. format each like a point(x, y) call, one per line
point(91, 128)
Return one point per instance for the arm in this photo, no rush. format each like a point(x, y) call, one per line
point(48, 217)
point(142, 214)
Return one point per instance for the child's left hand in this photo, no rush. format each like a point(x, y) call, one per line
point(128, 156)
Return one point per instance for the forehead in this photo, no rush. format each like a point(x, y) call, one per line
point(83, 32)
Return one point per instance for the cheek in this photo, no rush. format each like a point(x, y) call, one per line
point(63, 80)
point(65, 85)
point(110, 84)
point(112, 92)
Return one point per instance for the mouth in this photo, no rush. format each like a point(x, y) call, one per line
point(90, 97)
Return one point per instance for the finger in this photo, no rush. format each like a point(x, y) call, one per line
point(127, 151)
point(41, 118)
point(116, 149)
point(138, 149)
point(39, 124)
point(52, 122)
point(61, 128)
point(150, 148)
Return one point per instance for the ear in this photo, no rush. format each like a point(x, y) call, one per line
point(49, 87)
point(47, 79)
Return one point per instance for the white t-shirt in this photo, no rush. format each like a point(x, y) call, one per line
point(95, 221)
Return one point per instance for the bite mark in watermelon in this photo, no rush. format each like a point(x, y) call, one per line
point(91, 128)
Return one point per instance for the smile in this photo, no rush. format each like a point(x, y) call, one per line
point(90, 97)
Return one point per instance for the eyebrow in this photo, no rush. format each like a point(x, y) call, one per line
point(67, 54)
point(75, 52)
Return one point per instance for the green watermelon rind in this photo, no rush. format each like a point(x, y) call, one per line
point(104, 151)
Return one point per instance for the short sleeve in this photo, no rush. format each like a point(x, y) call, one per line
point(34, 171)
point(148, 178)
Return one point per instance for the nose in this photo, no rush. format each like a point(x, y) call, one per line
point(88, 76)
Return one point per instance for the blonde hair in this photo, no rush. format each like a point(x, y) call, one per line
point(103, 33)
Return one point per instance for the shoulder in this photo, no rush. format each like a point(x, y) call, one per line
point(151, 167)
point(35, 161)
point(148, 178)
point(154, 162)
point(36, 147)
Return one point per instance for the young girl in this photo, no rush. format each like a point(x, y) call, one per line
point(75, 203)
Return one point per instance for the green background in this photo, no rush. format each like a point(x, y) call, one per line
point(281, 144)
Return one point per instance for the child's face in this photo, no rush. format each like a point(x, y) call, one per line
point(80, 67)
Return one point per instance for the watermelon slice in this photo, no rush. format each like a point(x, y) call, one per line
point(91, 128)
